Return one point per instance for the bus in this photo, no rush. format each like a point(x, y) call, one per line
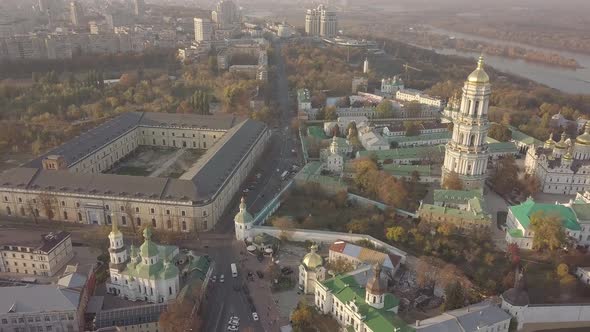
point(234, 270)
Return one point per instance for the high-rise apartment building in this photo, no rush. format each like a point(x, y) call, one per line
point(76, 13)
point(138, 7)
point(226, 14)
point(321, 22)
point(203, 29)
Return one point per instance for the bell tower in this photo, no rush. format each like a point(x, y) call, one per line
point(467, 152)
point(117, 251)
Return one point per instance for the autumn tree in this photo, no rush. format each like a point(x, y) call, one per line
point(286, 225)
point(548, 231)
point(330, 113)
point(351, 130)
point(339, 266)
point(530, 184)
point(454, 296)
point(48, 202)
point(395, 233)
point(413, 109)
point(427, 271)
point(412, 128)
point(506, 175)
point(302, 316)
point(384, 109)
point(500, 132)
point(452, 181)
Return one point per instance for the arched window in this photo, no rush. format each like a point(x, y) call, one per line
point(109, 220)
point(153, 222)
point(8, 211)
point(184, 225)
point(138, 221)
point(65, 215)
point(123, 220)
point(471, 140)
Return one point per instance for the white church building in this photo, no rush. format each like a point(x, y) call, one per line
point(148, 274)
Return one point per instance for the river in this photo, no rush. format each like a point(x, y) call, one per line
point(564, 79)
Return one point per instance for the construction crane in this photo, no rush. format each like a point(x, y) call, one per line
point(406, 67)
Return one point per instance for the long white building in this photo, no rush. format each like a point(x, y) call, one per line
point(69, 183)
point(562, 167)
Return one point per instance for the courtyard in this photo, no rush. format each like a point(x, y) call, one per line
point(155, 161)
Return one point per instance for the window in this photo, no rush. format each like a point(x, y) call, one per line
point(137, 210)
point(80, 216)
point(153, 222)
point(168, 212)
point(123, 220)
point(122, 208)
point(183, 213)
point(77, 204)
point(169, 223)
point(6, 198)
point(8, 211)
point(184, 225)
point(138, 221)
point(20, 200)
point(63, 203)
point(152, 211)
point(22, 211)
point(106, 207)
point(109, 220)
point(47, 318)
point(169, 290)
point(65, 215)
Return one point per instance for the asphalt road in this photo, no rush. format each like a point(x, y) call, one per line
point(223, 301)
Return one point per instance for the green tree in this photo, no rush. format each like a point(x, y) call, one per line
point(454, 296)
point(548, 231)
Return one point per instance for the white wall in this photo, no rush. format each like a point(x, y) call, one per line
point(324, 237)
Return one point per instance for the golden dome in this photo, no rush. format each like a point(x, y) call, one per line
point(568, 156)
point(584, 139)
point(479, 75)
point(561, 144)
point(312, 260)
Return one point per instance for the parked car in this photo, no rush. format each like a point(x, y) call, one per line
point(221, 278)
point(234, 320)
point(214, 278)
point(232, 328)
point(254, 316)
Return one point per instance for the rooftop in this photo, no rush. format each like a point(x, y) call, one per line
point(200, 184)
point(347, 288)
point(456, 196)
point(47, 244)
point(524, 211)
point(366, 255)
point(37, 298)
point(405, 153)
point(476, 215)
point(468, 319)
